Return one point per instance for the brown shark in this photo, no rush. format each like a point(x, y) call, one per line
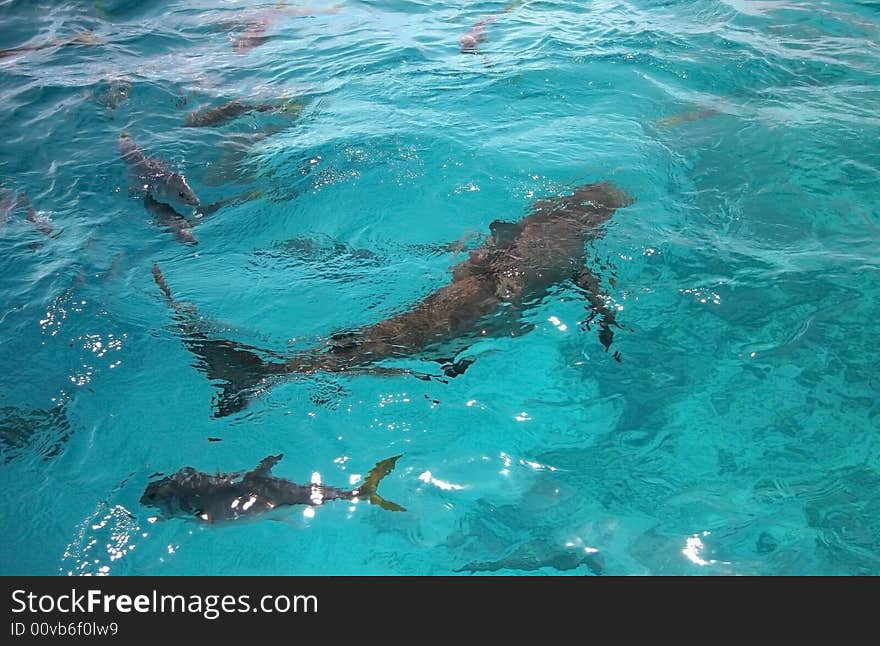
point(518, 263)
point(255, 32)
point(470, 41)
point(231, 110)
point(81, 38)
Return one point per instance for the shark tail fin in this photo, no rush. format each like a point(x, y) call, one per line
point(159, 277)
point(371, 484)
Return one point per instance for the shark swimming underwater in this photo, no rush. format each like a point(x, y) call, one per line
point(81, 38)
point(518, 263)
point(10, 202)
point(470, 41)
point(152, 176)
point(255, 30)
point(234, 496)
point(231, 110)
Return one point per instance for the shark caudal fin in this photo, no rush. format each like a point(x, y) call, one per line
point(159, 278)
point(368, 490)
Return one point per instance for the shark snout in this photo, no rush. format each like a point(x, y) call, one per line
point(179, 189)
point(604, 194)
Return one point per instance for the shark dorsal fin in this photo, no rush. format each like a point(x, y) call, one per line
point(503, 233)
point(264, 468)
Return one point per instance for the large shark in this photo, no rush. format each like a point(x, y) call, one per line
point(517, 264)
point(152, 176)
point(222, 497)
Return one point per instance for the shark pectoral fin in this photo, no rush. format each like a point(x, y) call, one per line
point(237, 366)
point(229, 401)
point(204, 211)
point(235, 395)
point(503, 233)
point(452, 368)
point(458, 246)
point(598, 301)
point(371, 484)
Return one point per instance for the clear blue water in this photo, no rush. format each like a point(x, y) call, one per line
point(740, 433)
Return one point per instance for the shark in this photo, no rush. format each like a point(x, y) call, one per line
point(519, 262)
point(469, 42)
point(80, 38)
point(231, 110)
point(152, 176)
point(255, 29)
point(224, 497)
point(536, 555)
point(10, 202)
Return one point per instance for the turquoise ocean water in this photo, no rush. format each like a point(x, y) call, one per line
point(738, 434)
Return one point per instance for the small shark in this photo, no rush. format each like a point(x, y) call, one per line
point(81, 38)
point(470, 41)
point(685, 117)
point(10, 202)
point(235, 496)
point(152, 175)
point(539, 554)
point(254, 33)
point(518, 263)
point(235, 108)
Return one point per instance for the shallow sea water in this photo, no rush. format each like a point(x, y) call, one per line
point(738, 434)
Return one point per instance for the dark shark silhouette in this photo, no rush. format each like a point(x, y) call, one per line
point(234, 496)
point(518, 263)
